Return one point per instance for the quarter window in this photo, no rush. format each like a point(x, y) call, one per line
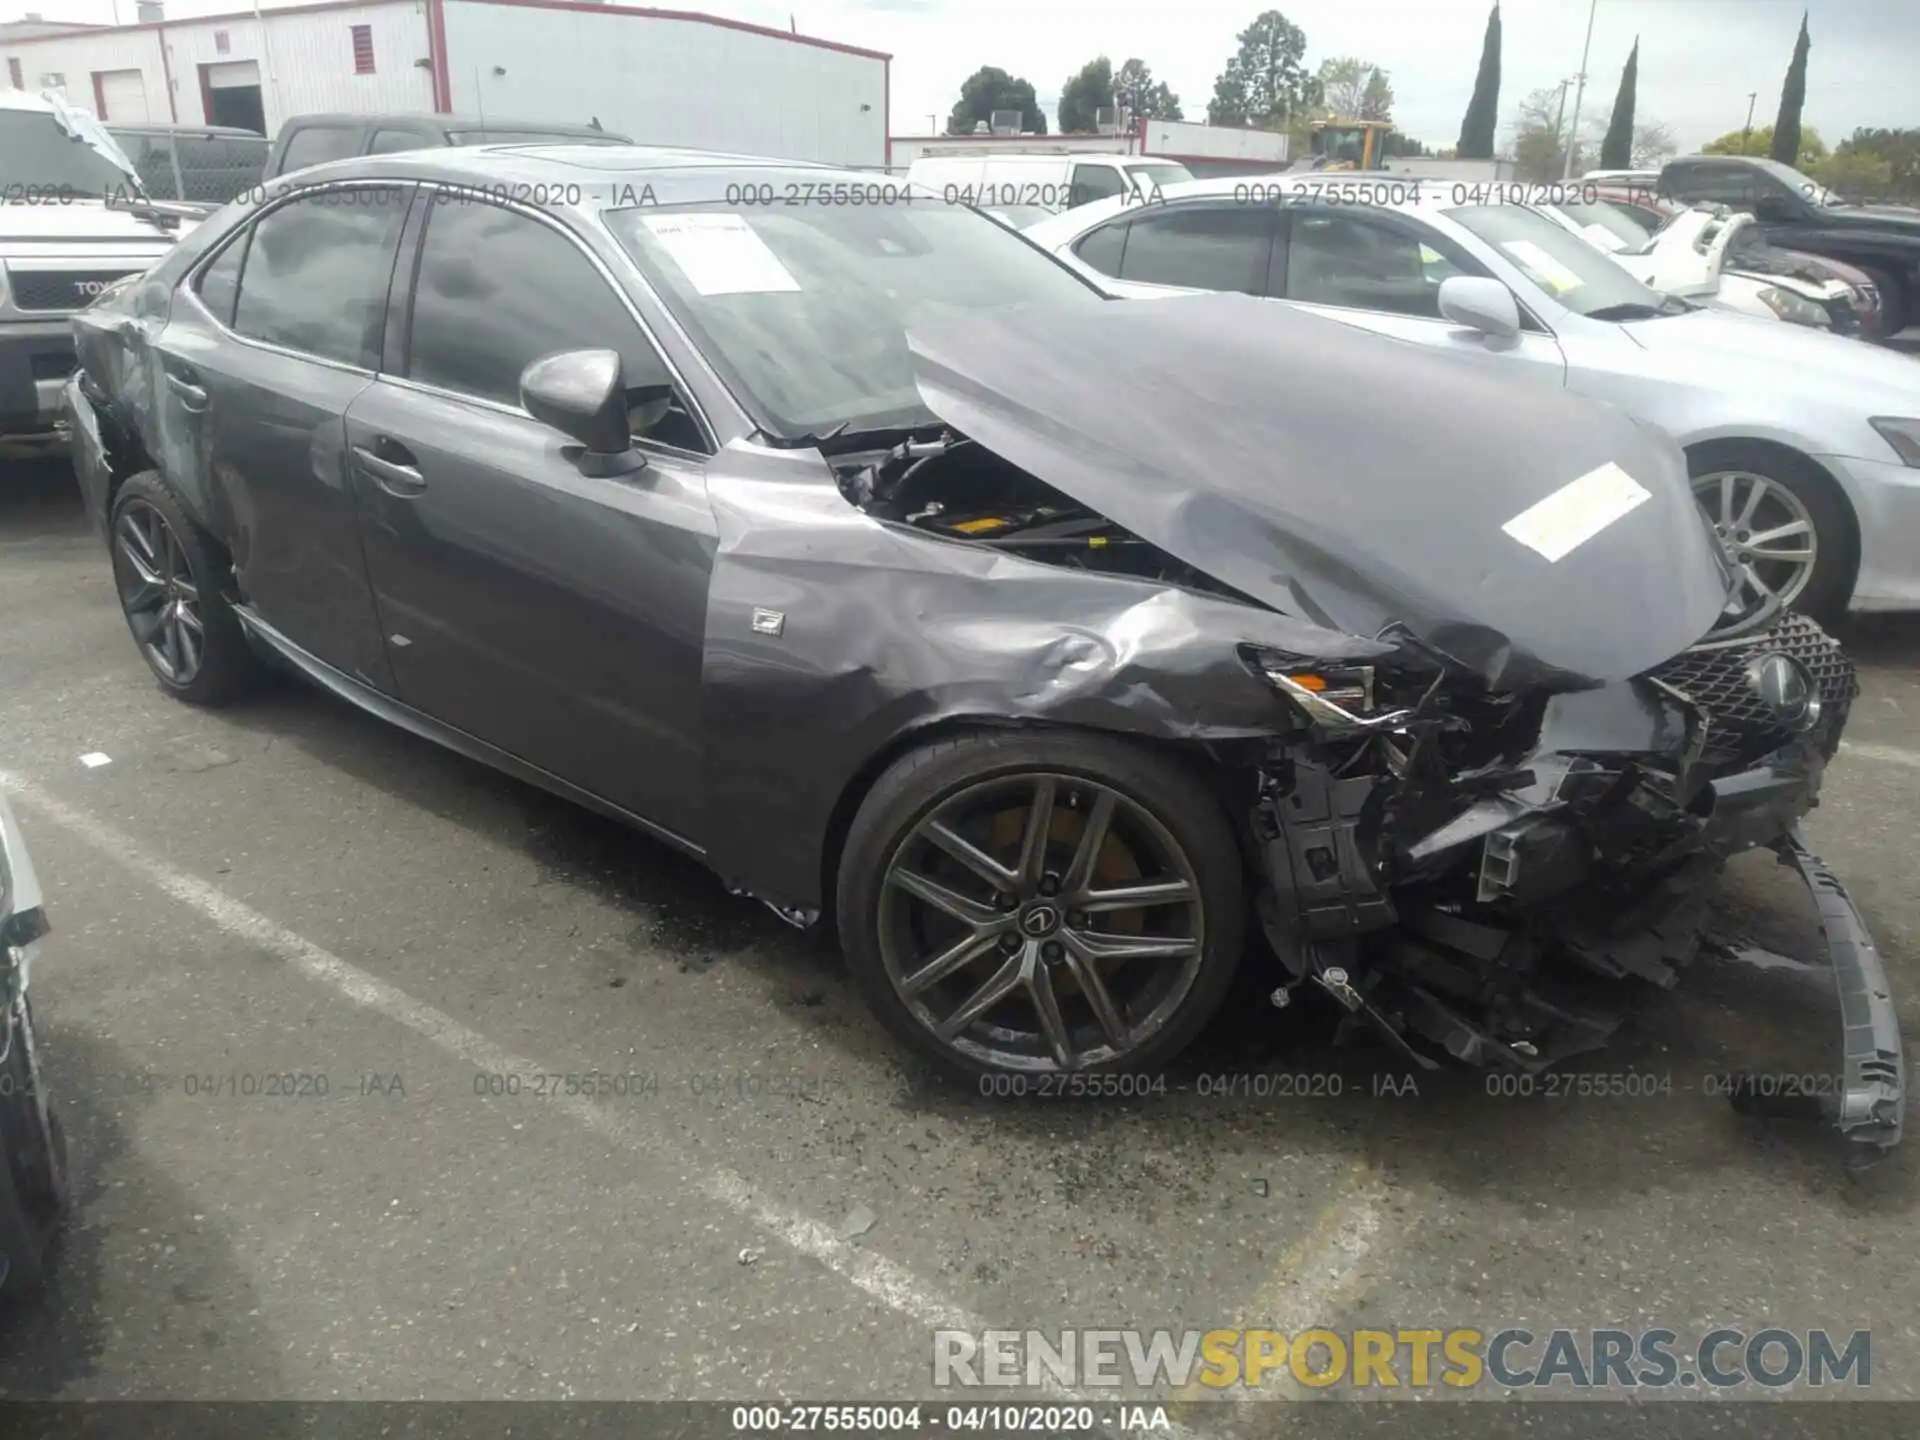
point(219, 283)
point(1217, 248)
point(317, 271)
point(497, 291)
point(1102, 249)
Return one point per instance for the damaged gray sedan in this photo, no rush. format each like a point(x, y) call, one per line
point(1068, 655)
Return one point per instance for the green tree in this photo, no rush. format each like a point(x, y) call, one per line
point(1760, 142)
point(1483, 110)
point(1539, 141)
point(1616, 151)
point(1084, 95)
point(1265, 84)
point(989, 89)
point(1793, 95)
point(1376, 101)
point(1354, 89)
point(1141, 96)
point(1898, 150)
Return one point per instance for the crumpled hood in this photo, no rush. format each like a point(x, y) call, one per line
point(1348, 478)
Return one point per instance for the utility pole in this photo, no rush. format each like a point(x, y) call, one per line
point(1755, 95)
point(1580, 93)
point(1560, 115)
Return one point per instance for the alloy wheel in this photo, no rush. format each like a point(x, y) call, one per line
point(158, 592)
point(1041, 922)
point(1767, 533)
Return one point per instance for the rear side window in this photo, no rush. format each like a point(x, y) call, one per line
point(219, 283)
point(385, 142)
point(497, 291)
point(317, 144)
point(1217, 248)
point(317, 271)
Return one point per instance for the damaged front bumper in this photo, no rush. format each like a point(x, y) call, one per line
point(1482, 900)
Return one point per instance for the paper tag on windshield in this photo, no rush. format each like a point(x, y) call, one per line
point(720, 254)
point(1542, 266)
point(1603, 237)
point(1577, 511)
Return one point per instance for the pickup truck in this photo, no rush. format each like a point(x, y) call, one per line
point(314, 139)
point(1796, 212)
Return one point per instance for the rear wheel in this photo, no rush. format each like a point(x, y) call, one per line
point(169, 581)
point(1035, 903)
point(1782, 523)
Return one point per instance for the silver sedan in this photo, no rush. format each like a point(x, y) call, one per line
point(1804, 448)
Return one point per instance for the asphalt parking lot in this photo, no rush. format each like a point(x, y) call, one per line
point(291, 888)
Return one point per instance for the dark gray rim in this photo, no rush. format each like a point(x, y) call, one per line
point(157, 592)
point(1041, 921)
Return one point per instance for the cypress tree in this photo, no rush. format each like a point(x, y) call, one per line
point(1793, 95)
point(1483, 111)
point(1616, 152)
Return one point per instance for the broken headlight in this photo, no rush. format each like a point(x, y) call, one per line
point(1351, 687)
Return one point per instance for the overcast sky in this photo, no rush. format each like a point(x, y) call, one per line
point(1699, 59)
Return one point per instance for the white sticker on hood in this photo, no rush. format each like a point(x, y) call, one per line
point(1577, 511)
point(721, 254)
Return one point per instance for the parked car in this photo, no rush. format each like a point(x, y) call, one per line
point(1691, 257)
point(315, 139)
point(73, 219)
point(1797, 212)
point(994, 181)
point(1635, 214)
point(806, 540)
point(33, 1147)
point(1802, 445)
point(200, 164)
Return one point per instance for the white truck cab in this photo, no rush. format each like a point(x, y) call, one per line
point(73, 219)
point(1048, 182)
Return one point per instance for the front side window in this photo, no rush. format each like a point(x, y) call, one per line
point(1357, 261)
point(317, 144)
point(1215, 248)
point(1717, 185)
point(805, 310)
point(1093, 182)
point(317, 270)
point(497, 291)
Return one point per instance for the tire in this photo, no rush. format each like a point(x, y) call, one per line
point(223, 663)
point(1824, 594)
point(1896, 302)
point(1162, 816)
point(33, 1175)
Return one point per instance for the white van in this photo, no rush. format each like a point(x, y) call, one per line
point(1052, 182)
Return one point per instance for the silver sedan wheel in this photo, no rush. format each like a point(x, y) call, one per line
point(1041, 922)
point(1767, 532)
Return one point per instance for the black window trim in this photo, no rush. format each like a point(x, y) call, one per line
point(1450, 250)
point(1150, 211)
point(414, 236)
point(191, 281)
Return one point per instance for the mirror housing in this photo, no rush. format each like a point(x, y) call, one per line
point(1775, 209)
point(1480, 304)
point(582, 394)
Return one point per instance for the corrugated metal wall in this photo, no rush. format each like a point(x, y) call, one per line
point(668, 81)
point(305, 59)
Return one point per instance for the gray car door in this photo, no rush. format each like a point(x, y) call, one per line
point(266, 345)
point(557, 616)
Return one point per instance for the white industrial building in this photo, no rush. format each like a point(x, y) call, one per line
point(661, 76)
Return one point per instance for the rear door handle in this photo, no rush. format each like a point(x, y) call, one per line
point(192, 397)
point(401, 481)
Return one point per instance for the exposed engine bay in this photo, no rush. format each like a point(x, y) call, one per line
point(954, 488)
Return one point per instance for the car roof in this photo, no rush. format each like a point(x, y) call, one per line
point(414, 120)
point(148, 127)
point(674, 174)
point(1401, 192)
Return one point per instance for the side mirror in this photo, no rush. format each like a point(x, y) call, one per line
point(1774, 209)
point(1480, 304)
point(580, 393)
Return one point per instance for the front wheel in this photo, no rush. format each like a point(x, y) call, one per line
point(1041, 902)
point(1783, 525)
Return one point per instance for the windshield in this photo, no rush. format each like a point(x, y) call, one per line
point(805, 311)
point(1021, 216)
point(1576, 274)
point(1805, 186)
point(1160, 173)
point(36, 154)
point(1604, 225)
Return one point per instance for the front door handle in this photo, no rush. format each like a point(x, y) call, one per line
point(193, 397)
point(400, 481)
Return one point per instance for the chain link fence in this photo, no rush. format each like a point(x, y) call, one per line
point(204, 167)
